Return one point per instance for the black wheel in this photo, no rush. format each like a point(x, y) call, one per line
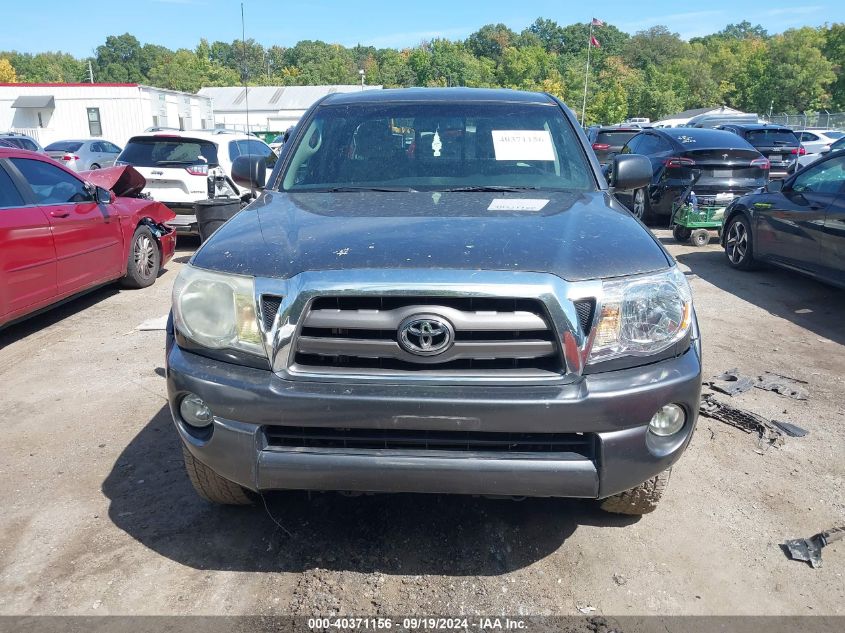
point(144, 261)
point(738, 247)
point(95, 166)
point(640, 500)
point(700, 237)
point(211, 486)
point(681, 233)
point(641, 206)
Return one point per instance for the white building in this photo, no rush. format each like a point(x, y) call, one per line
point(115, 112)
point(681, 118)
point(267, 108)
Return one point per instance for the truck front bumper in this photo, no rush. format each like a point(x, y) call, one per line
point(612, 409)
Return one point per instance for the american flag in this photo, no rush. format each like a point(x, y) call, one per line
point(594, 41)
point(596, 22)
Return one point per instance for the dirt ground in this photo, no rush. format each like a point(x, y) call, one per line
point(98, 516)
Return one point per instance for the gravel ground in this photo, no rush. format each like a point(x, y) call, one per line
point(99, 518)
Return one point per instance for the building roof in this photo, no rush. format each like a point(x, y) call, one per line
point(47, 102)
point(272, 98)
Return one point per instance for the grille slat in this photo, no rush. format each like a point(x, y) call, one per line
point(490, 335)
point(398, 439)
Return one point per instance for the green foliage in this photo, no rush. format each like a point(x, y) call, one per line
point(652, 73)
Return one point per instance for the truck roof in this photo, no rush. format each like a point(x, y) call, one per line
point(434, 95)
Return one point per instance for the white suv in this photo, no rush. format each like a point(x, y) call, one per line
point(177, 166)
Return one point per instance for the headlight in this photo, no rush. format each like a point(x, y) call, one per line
point(642, 315)
point(217, 310)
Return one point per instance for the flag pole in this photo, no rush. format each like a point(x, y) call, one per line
point(587, 73)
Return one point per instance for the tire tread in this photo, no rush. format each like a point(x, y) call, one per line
point(641, 499)
point(211, 486)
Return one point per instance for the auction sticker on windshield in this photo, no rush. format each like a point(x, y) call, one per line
point(523, 145)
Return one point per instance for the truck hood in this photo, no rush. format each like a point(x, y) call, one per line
point(575, 236)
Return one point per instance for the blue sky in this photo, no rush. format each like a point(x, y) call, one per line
point(78, 27)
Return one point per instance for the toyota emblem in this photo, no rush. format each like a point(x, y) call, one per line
point(426, 335)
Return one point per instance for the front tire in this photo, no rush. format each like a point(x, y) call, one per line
point(738, 244)
point(681, 233)
point(94, 166)
point(211, 486)
point(641, 207)
point(639, 500)
point(144, 261)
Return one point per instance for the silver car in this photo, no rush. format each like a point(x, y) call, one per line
point(83, 155)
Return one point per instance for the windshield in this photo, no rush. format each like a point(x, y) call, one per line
point(63, 146)
point(168, 152)
point(768, 138)
point(616, 137)
point(439, 146)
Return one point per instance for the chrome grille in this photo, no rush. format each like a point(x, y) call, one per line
point(491, 335)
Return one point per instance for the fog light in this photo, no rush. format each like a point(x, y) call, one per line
point(194, 411)
point(668, 420)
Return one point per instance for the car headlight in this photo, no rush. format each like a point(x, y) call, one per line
point(642, 315)
point(217, 310)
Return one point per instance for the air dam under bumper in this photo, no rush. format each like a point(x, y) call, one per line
point(614, 408)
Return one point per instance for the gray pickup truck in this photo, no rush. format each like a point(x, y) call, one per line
point(435, 291)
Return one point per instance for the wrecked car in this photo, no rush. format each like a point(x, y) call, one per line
point(64, 233)
point(436, 292)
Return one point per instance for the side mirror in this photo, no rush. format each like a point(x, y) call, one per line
point(250, 171)
point(103, 196)
point(825, 150)
point(775, 186)
point(630, 171)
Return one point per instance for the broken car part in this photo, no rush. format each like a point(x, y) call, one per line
point(741, 419)
point(810, 549)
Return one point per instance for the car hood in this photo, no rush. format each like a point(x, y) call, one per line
point(576, 236)
point(123, 180)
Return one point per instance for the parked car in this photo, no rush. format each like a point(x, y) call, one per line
point(65, 233)
point(777, 143)
point(808, 159)
point(815, 140)
point(177, 166)
point(85, 154)
point(609, 141)
point(797, 223)
point(725, 164)
point(716, 119)
point(22, 141)
point(471, 313)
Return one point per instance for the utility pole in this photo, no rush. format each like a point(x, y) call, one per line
point(90, 72)
point(587, 73)
point(245, 78)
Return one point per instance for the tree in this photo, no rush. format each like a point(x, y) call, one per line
point(742, 31)
point(551, 35)
point(834, 51)
point(7, 72)
point(800, 75)
point(655, 46)
point(490, 41)
point(119, 60)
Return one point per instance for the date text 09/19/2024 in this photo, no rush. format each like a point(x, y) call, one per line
point(418, 623)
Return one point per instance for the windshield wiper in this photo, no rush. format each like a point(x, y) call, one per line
point(495, 188)
point(362, 188)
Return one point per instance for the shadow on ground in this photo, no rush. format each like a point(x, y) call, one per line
point(811, 305)
point(392, 534)
point(32, 324)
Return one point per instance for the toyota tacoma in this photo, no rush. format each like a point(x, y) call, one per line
point(435, 292)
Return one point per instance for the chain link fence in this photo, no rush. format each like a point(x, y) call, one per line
point(832, 120)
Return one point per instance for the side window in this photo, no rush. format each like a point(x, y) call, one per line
point(97, 147)
point(807, 137)
point(661, 145)
point(829, 177)
point(633, 146)
point(111, 148)
point(648, 145)
point(259, 148)
point(30, 145)
point(9, 194)
point(234, 150)
point(50, 184)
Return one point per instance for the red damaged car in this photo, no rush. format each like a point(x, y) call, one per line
point(62, 233)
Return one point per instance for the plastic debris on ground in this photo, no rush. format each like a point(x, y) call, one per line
point(732, 382)
point(742, 420)
point(809, 550)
